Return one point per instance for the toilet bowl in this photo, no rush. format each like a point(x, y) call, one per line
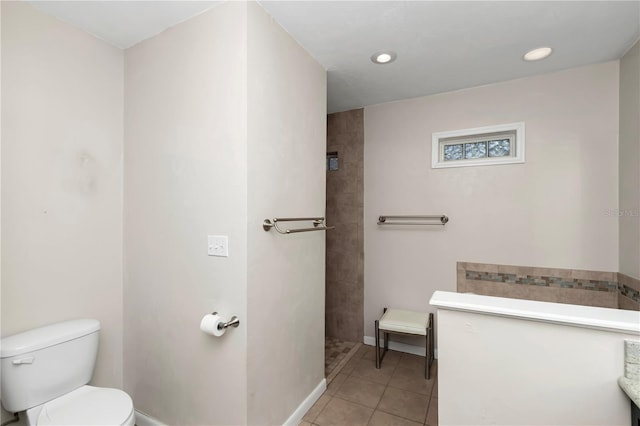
point(46, 371)
point(87, 405)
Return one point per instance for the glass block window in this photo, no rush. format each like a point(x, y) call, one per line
point(475, 150)
point(453, 152)
point(500, 148)
point(500, 144)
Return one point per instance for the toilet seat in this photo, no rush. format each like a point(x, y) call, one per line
point(89, 405)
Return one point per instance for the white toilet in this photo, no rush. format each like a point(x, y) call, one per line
point(45, 371)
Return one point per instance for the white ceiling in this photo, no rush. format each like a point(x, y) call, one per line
point(441, 45)
point(123, 23)
point(449, 45)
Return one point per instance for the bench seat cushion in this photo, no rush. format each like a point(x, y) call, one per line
point(400, 321)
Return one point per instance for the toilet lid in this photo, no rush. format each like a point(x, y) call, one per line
point(88, 405)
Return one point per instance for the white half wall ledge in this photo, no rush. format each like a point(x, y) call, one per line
point(400, 347)
point(143, 419)
point(306, 405)
point(616, 320)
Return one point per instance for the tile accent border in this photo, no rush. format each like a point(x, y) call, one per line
point(629, 292)
point(544, 281)
point(573, 286)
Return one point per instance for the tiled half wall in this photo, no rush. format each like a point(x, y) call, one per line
point(574, 286)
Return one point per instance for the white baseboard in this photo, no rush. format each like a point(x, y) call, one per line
point(295, 418)
point(400, 347)
point(143, 419)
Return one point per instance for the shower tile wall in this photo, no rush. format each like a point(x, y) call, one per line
point(628, 292)
point(573, 286)
point(344, 318)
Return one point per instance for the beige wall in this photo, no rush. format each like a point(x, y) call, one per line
point(186, 173)
point(185, 178)
point(630, 163)
point(286, 178)
point(62, 108)
point(225, 119)
point(548, 212)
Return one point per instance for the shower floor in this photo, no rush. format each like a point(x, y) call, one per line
point(336, 351)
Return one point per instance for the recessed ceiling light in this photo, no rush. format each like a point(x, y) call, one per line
point(383, 57)
point(537, 54)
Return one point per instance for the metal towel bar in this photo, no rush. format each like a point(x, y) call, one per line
point(318, 224)
point(413, 220)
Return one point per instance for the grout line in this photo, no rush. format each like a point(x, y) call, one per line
point(353, 402)
point(320, 412)
point(429, 396)
point(381, 396)
point(338, 368)
point(352, 355)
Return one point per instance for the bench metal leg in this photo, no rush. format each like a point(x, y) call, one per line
point(427, 373)
point(377, 332)
point(429, 352)
point(379, 355)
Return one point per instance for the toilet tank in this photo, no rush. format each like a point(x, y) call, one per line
point(44, 363)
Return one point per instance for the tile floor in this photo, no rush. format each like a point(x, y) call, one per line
point(360, 394)
point(335, 351)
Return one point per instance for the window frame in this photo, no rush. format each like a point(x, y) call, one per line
point(478, 134)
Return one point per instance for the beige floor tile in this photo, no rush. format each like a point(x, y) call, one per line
point(391, 357)
point(412, 361)
point(336, 383)
point(411, 379)
point(366, 351)
point(380, 418)
point(370, 354)
point(303, 423)
point(339, 412)
point(410, 405)
point(349, 366)
point(432, 415)
point(361, 391)
point(366, 369)
point(338, 368)
point(317, 408)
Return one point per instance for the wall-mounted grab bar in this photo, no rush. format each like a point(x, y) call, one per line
point(318, 224)
point(413, 220)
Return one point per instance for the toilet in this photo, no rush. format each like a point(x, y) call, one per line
point(45, 372)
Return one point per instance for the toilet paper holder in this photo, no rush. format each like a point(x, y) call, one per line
point(233, 322)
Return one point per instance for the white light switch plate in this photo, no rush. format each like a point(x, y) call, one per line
point(218, 245)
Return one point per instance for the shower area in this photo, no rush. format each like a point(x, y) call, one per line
point(344, 311)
